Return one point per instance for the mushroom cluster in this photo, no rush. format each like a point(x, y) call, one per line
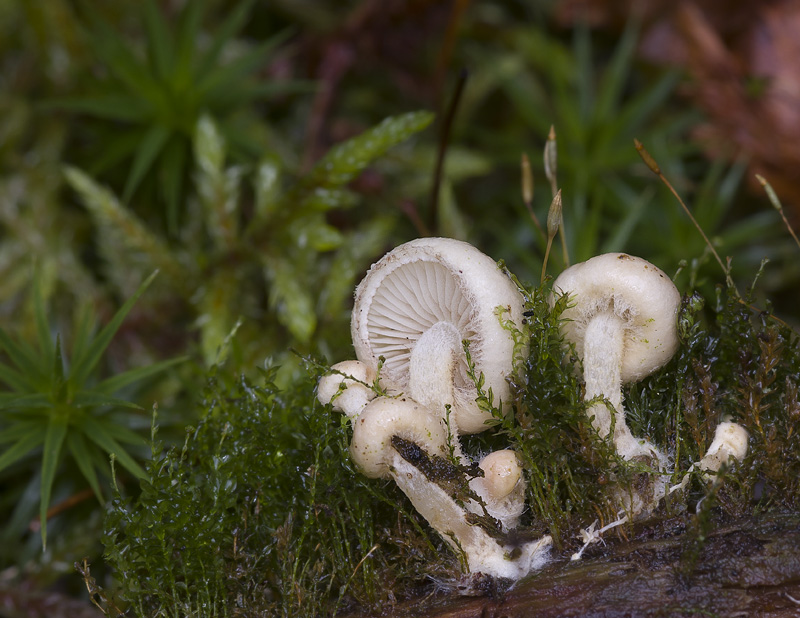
point(414, 312)
point(435, 313)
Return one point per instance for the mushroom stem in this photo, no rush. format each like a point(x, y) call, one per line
point(602, 366)
point(432, 366)
point(603, 349)
point(432, 370)
point(483, 553)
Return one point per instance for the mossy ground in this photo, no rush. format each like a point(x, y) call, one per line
point(262, 513)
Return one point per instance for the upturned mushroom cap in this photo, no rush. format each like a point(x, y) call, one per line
point(385, 417)
point(638, 293)
point(451, 286)
point(355, 395)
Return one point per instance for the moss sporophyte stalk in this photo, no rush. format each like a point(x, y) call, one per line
point(268, 509)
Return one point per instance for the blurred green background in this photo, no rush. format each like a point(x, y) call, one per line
point(261, 155)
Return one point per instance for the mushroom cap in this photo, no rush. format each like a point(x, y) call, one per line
point(730, 440)
point(352, 399)
point(429, 281)
point(502, 472)
point(636, 291)
point(385, 417)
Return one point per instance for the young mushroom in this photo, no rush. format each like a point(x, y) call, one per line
point(400, 439)
point(502, 487)
point(730, 441)
point(622, 318)
point(346, 387)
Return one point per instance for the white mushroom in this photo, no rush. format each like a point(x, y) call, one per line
point(346, 387)
point(417, 305)
point(413, 311)
point(730, 441)
point(622, 318)
point(502, 487)
point(385, 418)
point(376, 451)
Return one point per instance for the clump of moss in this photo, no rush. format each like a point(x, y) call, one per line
point(259, 513)
point(567, 466)
point(735, 363)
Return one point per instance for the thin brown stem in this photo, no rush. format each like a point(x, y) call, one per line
point(527, 191)
point(62, 506)
point(776, 203)
point(444, 139)
point(654, 167)
point(555, 222)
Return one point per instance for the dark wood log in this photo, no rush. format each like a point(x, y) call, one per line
point(747, 568)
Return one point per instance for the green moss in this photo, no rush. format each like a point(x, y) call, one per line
point(567, 466)
point(262, 513)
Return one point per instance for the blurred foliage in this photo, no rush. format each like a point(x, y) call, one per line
point(53, 404)
point(151, 101)
point(598, 102)
point(191, 137)
point(231, 263)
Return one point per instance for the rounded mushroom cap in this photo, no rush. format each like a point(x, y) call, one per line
point(502, 472)
point(429, 281)
point(502, 488)
point(355, 395)
point(385, 417)
point(730, 440)
point(634, 290)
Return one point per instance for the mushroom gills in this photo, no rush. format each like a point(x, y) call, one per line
point(413, 298)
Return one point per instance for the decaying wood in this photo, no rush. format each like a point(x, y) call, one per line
point(748, 568)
